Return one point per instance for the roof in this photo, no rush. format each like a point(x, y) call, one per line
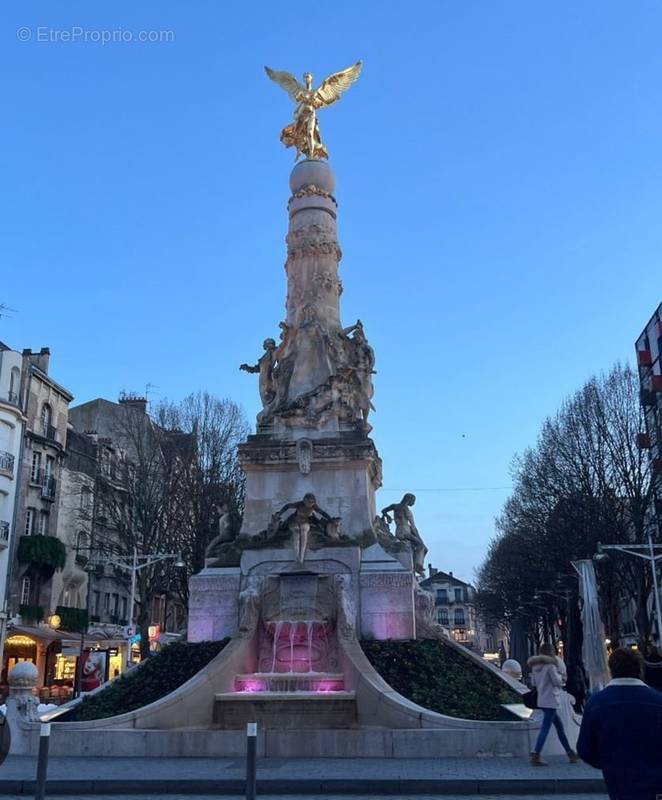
point(43, 376)
point(443, 577)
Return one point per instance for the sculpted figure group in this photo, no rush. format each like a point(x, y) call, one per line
point(349, 361)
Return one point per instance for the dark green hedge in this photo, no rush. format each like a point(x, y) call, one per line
point(43, 551)
point(31, 613)
point(437, 677)
point(160, 675)
point(72, 619)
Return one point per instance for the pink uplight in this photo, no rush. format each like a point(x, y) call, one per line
point(250, 687)
point(328, 686)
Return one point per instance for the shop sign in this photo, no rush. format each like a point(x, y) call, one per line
point(154, 633)
point(113, 651)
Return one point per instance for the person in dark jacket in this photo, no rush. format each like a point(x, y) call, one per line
point(653, 667)
point(621, 731)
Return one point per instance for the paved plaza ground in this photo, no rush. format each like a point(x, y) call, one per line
point(302, 777)
point(333, 797)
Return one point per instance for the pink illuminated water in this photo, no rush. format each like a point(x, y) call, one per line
point(297, 660)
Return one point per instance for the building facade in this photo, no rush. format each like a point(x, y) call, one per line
point(649, 363)
point(12, 421)
point(45, 406)
point(456, 610)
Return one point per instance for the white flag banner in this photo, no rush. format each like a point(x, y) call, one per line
point(594, 651)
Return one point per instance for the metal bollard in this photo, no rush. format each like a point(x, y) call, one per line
point(251, 755)
point(42, 760)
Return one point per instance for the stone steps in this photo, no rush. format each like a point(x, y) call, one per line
point(285, 710)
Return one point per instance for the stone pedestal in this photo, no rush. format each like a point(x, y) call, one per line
point(387, 605)
point(342, 472)
point(214, 604)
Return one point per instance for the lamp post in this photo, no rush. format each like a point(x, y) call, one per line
point(649, 552)
point(136, 563)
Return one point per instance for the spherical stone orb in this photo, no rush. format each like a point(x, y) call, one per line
point(315, 172)
point(512, 668)
point(23, 674)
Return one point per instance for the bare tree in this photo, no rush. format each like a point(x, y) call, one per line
point(584, 481)
point(139, 497)
point(213, 477)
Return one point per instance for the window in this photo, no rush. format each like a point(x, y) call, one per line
point(125, 604)
point(116, 604)
point(29, 521)
point(81, 542)
point(85, 499)
point(49, 469)
point(14, 385)
point(106, 603)
point(458, 618)
point(43, 523)
point(96, 603)
point(36, 467)
point(458, 595)
point(442, 616)
point(46, 416)
point(25, 591)
point(442, 595)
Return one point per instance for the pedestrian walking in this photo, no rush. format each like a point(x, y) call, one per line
point(546, 679)
point(652, 667)
point(621, 732)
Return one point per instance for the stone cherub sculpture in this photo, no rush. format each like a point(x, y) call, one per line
point(306, 512)
point(406, 530)
point(227, 532)
point(303, 134)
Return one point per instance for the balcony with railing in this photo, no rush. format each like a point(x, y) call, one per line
point(6, 463)
point(48, 487)
point(49, 432)
point(4, 534)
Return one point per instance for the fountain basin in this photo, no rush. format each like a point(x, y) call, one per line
point(290, 682)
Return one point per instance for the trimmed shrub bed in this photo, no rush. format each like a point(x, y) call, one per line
point(155, 678)
point(441, 679)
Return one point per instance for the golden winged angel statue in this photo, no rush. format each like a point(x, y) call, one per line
point(304, 132)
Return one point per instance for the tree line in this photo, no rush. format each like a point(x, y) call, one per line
point(585, 481)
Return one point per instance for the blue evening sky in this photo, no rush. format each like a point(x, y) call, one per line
point(498, 173)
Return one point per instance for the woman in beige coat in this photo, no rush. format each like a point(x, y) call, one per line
point(546, 678)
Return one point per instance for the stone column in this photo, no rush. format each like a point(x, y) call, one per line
point(313, 288)
point(312, 247)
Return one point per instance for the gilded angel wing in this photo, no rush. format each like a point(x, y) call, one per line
point(287, 82)
point(332, 87)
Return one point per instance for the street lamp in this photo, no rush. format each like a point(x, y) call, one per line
point(54, 621)
point(136, 563)
point(653, 555)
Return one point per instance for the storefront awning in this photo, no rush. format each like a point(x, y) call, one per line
point(48, 635)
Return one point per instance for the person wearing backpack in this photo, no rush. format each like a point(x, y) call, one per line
point(546, 680)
